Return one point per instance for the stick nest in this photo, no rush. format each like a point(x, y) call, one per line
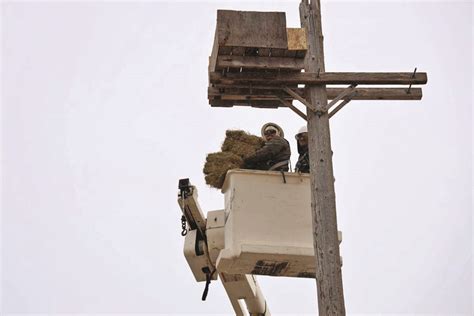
point(237, 146)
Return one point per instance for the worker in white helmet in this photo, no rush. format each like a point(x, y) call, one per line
point(274, 155)
point(302, 142)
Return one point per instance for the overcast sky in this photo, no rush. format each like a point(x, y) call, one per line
point(104, 108)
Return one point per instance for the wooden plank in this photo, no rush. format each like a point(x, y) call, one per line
point(259, 78)
point(221, 103)
point(256, 104)
point(297, 44)
point(259, 62)
point(256, 97)
point(296, 39)
point(214, 53)
point(243, 92)
point(251, 29)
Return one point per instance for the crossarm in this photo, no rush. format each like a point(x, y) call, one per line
point(262, 78)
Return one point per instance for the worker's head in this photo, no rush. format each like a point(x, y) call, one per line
point(270, 130)
point(302, 136)
point(270, 133)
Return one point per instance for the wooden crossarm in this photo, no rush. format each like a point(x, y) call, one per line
point(242, 92)
point(369, 78)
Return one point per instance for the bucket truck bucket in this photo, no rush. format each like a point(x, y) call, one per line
point(268, 225)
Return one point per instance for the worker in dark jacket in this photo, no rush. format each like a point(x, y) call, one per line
point(302, 142)
point(274, 155)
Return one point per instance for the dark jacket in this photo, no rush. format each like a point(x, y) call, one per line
point(273, 152)
point(302, 165)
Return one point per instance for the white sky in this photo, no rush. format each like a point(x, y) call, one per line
point(104, 108)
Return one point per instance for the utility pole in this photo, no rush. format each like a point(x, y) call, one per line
point(323, 197)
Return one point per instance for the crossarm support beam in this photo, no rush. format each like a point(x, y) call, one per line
point(293, 108)
point(342, 95)
point(299, 98)
point(337, 108)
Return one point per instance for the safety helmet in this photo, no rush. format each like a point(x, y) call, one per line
point(303, 129)
point(272, 126)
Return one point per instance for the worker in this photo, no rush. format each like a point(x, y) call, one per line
point(302, 142)
point(274, 155)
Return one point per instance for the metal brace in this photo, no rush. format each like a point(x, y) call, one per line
point(413, 76)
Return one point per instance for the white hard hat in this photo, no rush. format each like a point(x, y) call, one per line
point(303, 129)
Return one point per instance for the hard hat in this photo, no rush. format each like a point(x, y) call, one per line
point(303, 129)
point(272, 126)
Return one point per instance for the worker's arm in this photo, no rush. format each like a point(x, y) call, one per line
point(266, 153)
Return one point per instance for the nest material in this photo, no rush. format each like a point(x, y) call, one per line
point(241, 143)
point(237, 146)
point(217, 165)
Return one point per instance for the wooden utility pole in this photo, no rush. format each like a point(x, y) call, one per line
point(323, 198)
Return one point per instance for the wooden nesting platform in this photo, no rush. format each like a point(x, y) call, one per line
point(257, 61)
point(253, 42)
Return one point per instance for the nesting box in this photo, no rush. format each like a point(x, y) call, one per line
point(268, 226)
point(253, 42)
point(251, 29)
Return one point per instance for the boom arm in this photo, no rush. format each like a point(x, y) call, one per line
point(244, 286)
point(202, 245)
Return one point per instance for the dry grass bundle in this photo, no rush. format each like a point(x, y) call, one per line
point(237, 146)
point(241, 143)
point(217, 165)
